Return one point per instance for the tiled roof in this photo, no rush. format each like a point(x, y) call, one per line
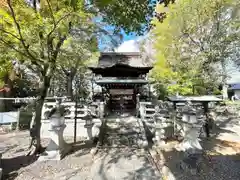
point(133, 59)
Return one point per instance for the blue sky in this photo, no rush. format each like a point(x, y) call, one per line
point(103, 42)
point(131, 36)
point(104, 39)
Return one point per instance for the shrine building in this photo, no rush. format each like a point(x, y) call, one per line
point(121, 76)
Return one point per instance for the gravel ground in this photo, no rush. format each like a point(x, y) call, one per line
point(19, 167)
point(220, 159)
point(203, 167)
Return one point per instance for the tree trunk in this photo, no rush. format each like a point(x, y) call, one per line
point(224, 81)
point(38, 126)
point(69, 77)
point(69, 85)
point(8, 103)
point(37, 120)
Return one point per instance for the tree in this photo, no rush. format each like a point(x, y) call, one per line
point(36, 37)
point(74, 57)
point(8, 77)
point(190, 42)
point(130, 15)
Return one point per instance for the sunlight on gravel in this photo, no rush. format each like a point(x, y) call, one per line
point(14, 161)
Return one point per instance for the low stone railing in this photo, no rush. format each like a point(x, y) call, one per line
point(164, 121)
point(147, 110)
point(147, 114)
point(87, 126)
point(160, 120)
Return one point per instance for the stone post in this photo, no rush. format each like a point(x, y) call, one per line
point(101, 109)
point(57, 147)
point(89, 126)
point(137, 105)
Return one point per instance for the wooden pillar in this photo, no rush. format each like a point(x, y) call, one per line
point(149, 90)
point(205, 107)
point(206, 125)
point(174, 115)
point(174, 106)
point(92, 85)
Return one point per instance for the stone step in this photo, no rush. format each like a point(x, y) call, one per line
point(129, 129)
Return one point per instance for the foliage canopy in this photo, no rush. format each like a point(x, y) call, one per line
point(194, 37)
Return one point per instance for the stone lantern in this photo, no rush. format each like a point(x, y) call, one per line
point(191, 128)
point(189, 116)
point(57, 146)
point(57, 118)
point(89, 125)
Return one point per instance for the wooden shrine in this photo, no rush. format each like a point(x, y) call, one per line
point(121, 75)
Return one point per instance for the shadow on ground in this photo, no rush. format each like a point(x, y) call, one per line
point(11, 165)
point(81, 148)
point(202, 166)
point(126, 164)
point(220, 158)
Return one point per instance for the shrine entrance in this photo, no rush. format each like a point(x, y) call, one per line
point(121, 75)
point(122, 99)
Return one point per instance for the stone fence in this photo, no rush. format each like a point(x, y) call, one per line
point(88, 119)
point(164, 122)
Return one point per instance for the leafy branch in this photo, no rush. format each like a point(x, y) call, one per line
point(26, 47)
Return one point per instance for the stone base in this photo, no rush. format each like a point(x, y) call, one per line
point(57, 147)
point(55, 154)
point(191, 145)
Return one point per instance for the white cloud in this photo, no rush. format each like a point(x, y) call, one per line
point(128, 46)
